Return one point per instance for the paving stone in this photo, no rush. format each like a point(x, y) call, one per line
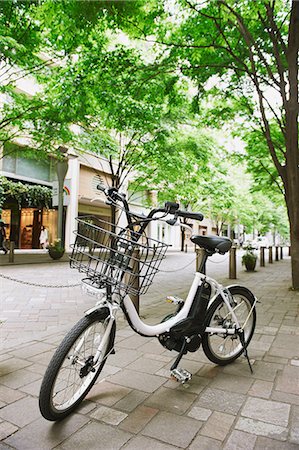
point(86, 407)
point(264, 443)
point(218, 425)
point(32, 388)
point(205, 443)
point(289, 345)
point(142, 442)
point(19, 378)
point(157, 357)
point(43, 358)
point(195, 385)
point(37, 368)
point(107, 393)
point(284, 397)
point(108, 415)
point(8, 395)
point(261, 370)
point(263, 346)
point(131, 401)
point(238, 440)
point(259, 428)
point(123, 357)
point(199, 413)
point(288, 381)
point(171, 400)
point(209, 371)
point(267, 338)
point(21, 412)
point(108, 370)
point(172, 429)
point(154, 347)
point(44, 435)
point(232, 383)
point(137, 420)
point(12, 365)
point(133, 342)
point(219, 400)
point(6, 429)
point(135, 380)
point(275, 359)
point(96, 436)
point(146, 365)
point(261, 388)
point(32, 350)
point(267, 411)
point(294, 431)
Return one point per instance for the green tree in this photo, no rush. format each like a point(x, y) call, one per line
point(248, 51)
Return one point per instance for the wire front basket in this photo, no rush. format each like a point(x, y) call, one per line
point(120, 257)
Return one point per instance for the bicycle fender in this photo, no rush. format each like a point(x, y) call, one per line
point(97, 310)
point(231, 286)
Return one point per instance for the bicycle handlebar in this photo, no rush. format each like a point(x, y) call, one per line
point(113, 195)
point(190, 215)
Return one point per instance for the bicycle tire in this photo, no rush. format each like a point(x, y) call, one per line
point(213, 344)
point(86, 333)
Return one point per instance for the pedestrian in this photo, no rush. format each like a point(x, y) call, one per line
point(3, 237)
point(44, 237)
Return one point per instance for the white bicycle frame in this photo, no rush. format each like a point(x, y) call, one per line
point(164, 327)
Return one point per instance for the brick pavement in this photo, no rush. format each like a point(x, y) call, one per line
point(135, 405)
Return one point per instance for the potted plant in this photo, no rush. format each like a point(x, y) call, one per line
point(55, 249)
point(249, 258)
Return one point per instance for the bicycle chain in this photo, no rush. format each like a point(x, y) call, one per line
point(29, 283)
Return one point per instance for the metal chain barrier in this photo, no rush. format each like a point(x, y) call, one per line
point(181, 268)
point(219, 262)
point(29, 283)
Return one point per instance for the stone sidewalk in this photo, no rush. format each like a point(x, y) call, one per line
point(135, 405)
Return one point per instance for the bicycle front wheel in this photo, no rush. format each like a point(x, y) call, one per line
point(73, 369)
point(223, 349)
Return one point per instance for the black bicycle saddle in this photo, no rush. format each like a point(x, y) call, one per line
point(213, 243)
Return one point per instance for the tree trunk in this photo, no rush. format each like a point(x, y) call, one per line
point(291, 178)
point(294, 233)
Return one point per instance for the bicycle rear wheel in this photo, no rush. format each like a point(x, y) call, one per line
point(223, 349)
point(72, 371)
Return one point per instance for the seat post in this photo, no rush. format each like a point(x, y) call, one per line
point(202, 256)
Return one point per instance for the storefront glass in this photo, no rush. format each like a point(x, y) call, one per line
point(24, 227)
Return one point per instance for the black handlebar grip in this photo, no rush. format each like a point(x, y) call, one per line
point(190, 215)
point(100, 187)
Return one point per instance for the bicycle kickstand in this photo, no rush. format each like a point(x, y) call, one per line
point(179, 374)
point(242, 340)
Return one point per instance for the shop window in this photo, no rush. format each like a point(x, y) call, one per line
point(17, 160)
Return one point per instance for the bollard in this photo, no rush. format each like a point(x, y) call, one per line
point(270, 255)
point(135, 278)
point(186, 248)
point(281, 252)
point(200, 252)
point(232, 264)
point(289, 250)
point(276, 254)
point(262, 256)
point(11, 256)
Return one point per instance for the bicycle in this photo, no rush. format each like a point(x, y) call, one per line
point(119, 261)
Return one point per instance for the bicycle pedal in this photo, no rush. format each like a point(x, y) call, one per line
point(181, 375)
